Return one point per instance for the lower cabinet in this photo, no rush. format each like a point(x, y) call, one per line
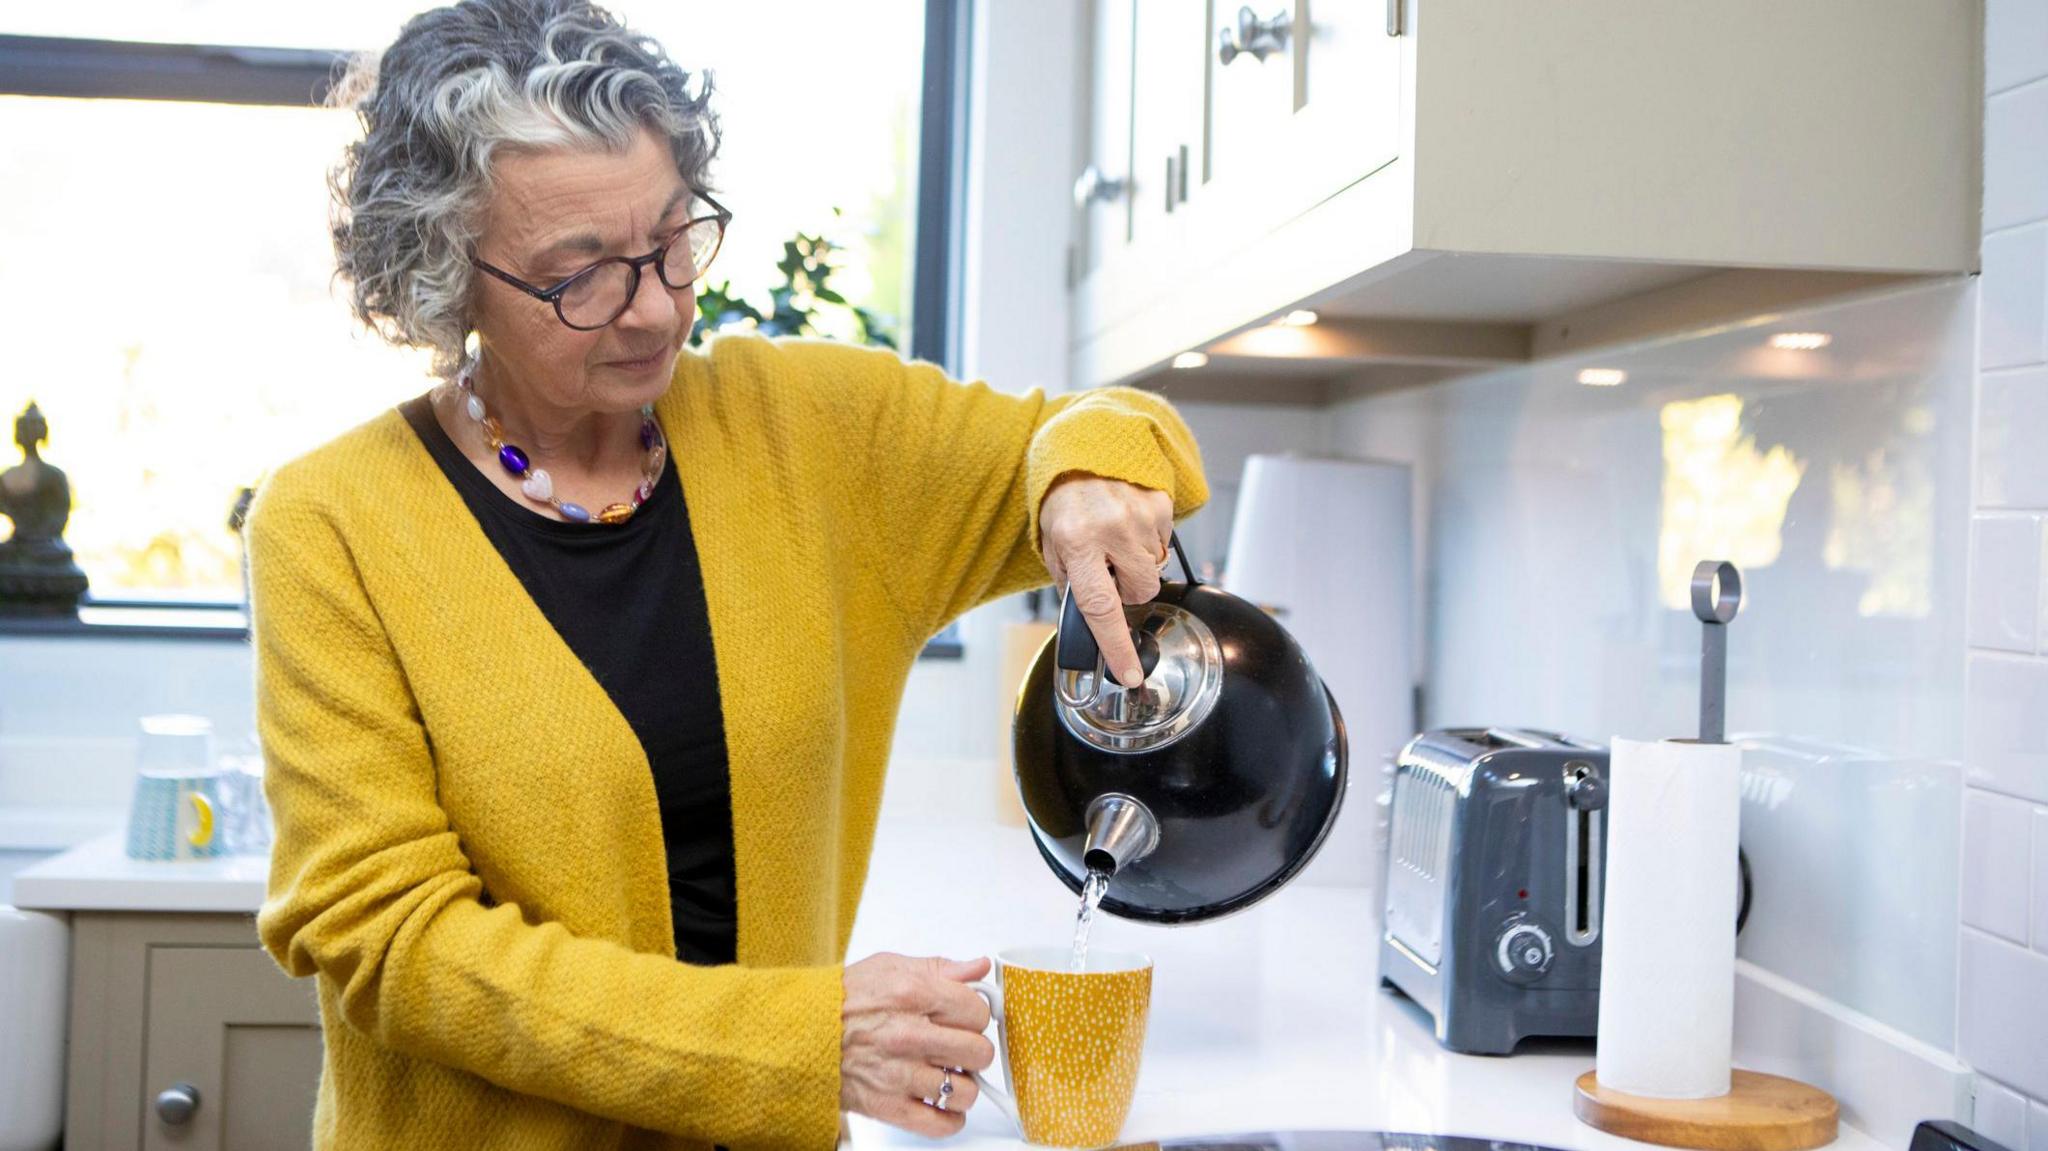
point(184, 1034)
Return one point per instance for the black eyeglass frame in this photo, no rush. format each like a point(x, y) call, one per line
point(658, 257)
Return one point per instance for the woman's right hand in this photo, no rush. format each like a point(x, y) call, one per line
point(904, 1022)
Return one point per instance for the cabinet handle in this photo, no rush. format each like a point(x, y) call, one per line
point(1394, 17)
point(176, 1103)
point(1253, 36)
point(1092, 187)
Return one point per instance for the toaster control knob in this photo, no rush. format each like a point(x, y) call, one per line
point(1524, 951)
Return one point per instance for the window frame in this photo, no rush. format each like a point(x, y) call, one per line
point(186, 73)
point(85, 68)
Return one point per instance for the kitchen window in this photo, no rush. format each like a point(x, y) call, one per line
point(165, 261)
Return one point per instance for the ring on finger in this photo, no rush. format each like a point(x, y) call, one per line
point(943, 1101)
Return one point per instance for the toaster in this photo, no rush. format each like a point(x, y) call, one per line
point(1493, 884)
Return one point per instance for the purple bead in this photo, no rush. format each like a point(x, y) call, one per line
point(646, 434)
point(576, 512)
point(513, 459)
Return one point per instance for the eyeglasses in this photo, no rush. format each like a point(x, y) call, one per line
point(601, 293)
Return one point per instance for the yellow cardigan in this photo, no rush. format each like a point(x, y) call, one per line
point(469, 856)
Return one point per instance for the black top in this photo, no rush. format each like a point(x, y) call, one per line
point(629, 601)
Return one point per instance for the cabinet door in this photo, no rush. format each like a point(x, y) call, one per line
point(1320, 111)
point(1146, 134)
point(1347, 119)
point(1106, 218)
point(1251, 95)
point(227, 1022)
point(1171, 41)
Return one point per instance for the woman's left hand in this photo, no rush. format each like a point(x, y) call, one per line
point(1109, 539)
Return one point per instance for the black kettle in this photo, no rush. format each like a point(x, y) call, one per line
point(1202, 790)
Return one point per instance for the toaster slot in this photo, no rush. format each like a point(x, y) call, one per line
point(1496, 737)
point(1424, 803)
point(1582, 892)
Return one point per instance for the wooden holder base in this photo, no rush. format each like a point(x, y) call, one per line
point(1759, 1113)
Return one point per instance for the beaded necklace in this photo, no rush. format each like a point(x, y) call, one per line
point(538, 485)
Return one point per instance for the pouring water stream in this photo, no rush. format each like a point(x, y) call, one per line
point(1091, 898)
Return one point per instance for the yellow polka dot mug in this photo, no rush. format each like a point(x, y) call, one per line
point(1070, 1042)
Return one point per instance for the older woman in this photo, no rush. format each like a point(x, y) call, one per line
point(577, 673)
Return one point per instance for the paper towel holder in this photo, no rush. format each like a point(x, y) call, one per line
point(1716, 597)
point(1760, 1112)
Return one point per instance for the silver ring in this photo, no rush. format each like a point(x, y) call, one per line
point(945, 1087)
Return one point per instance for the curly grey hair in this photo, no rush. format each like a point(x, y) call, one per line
point(458, 84)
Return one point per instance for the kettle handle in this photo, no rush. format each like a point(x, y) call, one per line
point(1075, 649)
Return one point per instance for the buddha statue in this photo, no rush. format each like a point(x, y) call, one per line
point(37, 574)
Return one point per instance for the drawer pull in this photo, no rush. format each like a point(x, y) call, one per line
point(1253, 36)
point(176, 1103)
point(1092, 187)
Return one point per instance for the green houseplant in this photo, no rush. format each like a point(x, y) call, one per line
point(806, 268)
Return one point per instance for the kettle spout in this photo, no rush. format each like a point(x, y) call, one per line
point(1121, 831)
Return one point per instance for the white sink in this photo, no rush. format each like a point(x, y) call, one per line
point(35, 977)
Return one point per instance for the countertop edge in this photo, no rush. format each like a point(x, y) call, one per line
point(98, 876)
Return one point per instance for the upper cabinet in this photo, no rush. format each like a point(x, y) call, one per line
point(1453, 180)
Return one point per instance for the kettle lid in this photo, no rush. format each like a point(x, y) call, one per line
point(1183, 677)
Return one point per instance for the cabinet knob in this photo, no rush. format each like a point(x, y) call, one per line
point(1092, 187)
point(1253, 36)
point(176, 1103)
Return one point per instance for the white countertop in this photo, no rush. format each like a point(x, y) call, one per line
point(1270, 1020)
point(97, 875)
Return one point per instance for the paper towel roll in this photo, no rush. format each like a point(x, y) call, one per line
point(1667, 966)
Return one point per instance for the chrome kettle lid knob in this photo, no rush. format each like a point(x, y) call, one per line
point(1183, 675)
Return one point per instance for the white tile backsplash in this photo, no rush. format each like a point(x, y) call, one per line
point(2001, 1114)
point(2002, 1016)
point(68, 719)
point(1554, 556)
point(2016, 156)
point(2006, 704)
point(2006, 726)
point(2012, 413)
point(1230, 434)
point(2015, 52)
point(2005, 582)
point(1996, 859)
point(2038, 915)
point(2015, 266)
point(2041, 594)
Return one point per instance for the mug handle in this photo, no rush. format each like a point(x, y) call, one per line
point(997, 1095)
point(204, 835)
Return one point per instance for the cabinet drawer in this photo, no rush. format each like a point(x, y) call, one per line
point(226, 1022)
